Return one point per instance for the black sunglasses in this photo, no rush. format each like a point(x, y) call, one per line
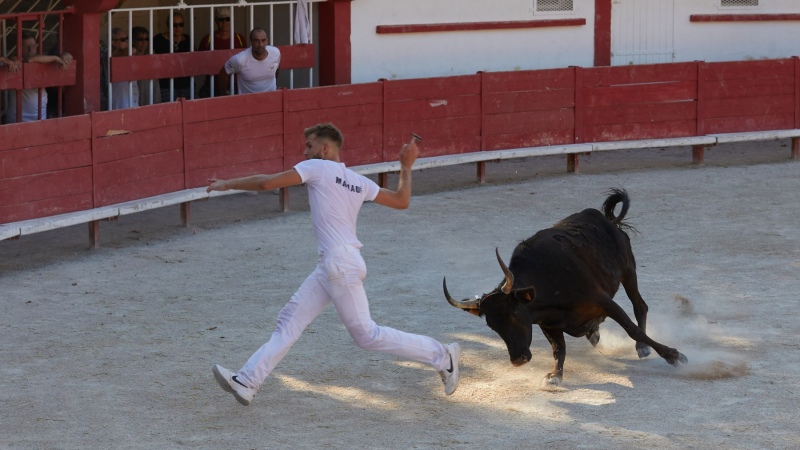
point(224, 19)
point(177, 25)
point(123, 39)
point(142, 39)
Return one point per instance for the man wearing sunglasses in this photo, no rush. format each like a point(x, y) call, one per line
point(222, 41)
point(174, 42)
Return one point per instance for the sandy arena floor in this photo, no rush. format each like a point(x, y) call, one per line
point(113, 348)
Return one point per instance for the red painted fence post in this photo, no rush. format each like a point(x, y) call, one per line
point(698, 151)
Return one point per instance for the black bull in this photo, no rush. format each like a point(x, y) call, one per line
point(564, 279)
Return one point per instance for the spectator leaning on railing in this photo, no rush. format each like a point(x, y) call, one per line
point(256, 67)
point(30, 97)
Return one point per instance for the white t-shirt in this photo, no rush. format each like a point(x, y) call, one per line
point(121, 97)
point(254, 75)
point(30, 104)
point(335, 194)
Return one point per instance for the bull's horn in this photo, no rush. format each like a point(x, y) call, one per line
point(509, 276)
point(466, 304)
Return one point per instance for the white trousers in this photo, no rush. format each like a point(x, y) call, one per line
point(338, 279)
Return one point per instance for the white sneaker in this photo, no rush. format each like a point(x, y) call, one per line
point(450, 376)
point(227, 381)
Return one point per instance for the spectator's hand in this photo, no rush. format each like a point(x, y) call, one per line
point(65, 60)
point(13, 66)
point(217, 185)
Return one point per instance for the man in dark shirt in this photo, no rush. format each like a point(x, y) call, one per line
point(176, 42)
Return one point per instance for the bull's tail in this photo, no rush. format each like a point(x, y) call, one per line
point(615, 197)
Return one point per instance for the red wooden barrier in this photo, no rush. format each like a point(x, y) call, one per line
point(445, 111)
point(638, 102)
point(528, 108)
point(138, 153)
point(748, 96)
point(45, 168)
point(356, 109)
point(77, 163)
point(233, 136)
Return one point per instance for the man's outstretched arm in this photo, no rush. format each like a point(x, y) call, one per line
point(257, 182)
point(401, 198)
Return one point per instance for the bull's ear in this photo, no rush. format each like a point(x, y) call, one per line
point(525, 295)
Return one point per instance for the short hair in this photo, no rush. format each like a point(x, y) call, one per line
point(28, 35)
point(326, 131)
point(116, 30)
point(258, 29)
point(174, 15)
point(135, 31)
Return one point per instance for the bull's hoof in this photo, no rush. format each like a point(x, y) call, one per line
point(680, 358)
point(551, 379)
point(643, 350)
point(594, 338)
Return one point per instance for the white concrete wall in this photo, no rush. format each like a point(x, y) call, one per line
point(420, 55)
point(734, 41)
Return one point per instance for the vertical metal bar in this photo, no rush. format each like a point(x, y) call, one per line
point(107, 62)
point(171, 31)
point(150, 51)
point(291, 41)
point(130, 53)
point(60, 90)
point(191, 47)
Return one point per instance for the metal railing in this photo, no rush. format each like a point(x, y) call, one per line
point(48, 26)
point(251, 13)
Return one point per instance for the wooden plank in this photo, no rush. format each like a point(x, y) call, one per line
point(45, 132)
point(38, 75)
point(175, 65)
point(641, 93)
point(637, 131)
point(44, 208)
point(46, 158)
point(477, 26)
point(535, 121)
point(138, 170)
point(137, 119)
point(528, 80)
point(10, 81)
point(233, 106)
point(200, 177)
point(659, 112)
point(343, 117)
point(45, 185)
point(138, 143)
point(333, 96)
point(234, 129)
point(749, 87)
point(531, 139)
point(743, 124)
point(749, 69)
point(432, 88)
point(520, 101)
point(424, 109)
point(153, 185)
point(751, 106)
point(769, 135)
point(638, 74)
point(235, 152)
point(654, 143)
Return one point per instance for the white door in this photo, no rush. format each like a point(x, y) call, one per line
point(642, 31)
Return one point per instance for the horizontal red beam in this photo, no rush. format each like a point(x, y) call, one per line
point(743, 17)
point(476, 26)
point(175, 65)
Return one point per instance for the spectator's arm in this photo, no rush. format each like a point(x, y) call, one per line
point(44, 59)
point(13, 66)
